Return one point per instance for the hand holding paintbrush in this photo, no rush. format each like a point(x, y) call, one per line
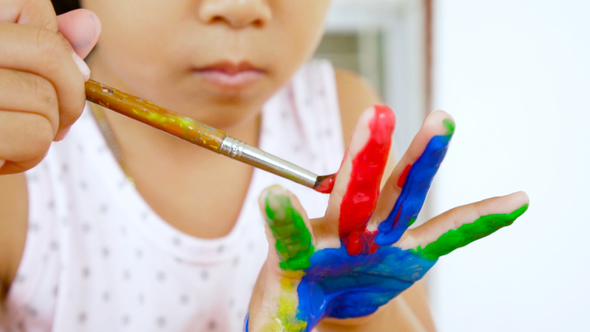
point(202, 135)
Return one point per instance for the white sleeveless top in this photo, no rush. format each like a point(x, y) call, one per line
point(97, 258)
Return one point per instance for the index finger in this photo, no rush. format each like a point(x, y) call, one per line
point(41, 52)
point(31, 12)
point(49, 54)
point(357, 186)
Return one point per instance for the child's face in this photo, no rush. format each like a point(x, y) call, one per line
point(182, 54)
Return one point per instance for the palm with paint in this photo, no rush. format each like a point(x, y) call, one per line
point(362, 254)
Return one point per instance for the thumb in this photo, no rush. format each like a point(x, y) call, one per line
point(287, 229)
point(81, 27)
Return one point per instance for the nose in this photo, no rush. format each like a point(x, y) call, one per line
point(236, 13)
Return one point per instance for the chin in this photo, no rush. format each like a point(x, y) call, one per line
point(225, 115)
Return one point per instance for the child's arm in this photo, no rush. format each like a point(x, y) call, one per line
point(13, 227)
point(41, 95)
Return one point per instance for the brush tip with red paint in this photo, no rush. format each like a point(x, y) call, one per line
point(324, 184)
point(381, 124)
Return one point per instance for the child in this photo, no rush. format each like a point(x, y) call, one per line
point(122, 227)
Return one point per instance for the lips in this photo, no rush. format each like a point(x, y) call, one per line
point(229, 75)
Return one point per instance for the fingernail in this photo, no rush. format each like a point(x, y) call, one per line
point(63, 134)
point(82, 66)
point(449, 125)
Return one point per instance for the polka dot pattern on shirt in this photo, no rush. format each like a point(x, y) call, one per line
point(95, 247)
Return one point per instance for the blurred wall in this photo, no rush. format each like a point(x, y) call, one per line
point(515, 74)
point(389, 51)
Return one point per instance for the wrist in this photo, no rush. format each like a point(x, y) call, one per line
point(274, 303)
point(396, 315)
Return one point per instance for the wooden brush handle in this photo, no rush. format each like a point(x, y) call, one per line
point(198, 133)
point(155, 116)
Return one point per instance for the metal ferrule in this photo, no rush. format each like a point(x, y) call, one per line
point(250, 155)
point(232, 147)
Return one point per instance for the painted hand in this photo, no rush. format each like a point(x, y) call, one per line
point(361, 254)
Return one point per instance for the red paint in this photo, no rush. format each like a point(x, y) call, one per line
point(360, 199)
point(326, 185)
point(399, 212)
point(402, 178)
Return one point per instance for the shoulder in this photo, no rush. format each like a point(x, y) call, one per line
point(355, 95)
point(13, 226)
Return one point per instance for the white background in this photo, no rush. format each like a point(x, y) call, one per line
point(515, 74)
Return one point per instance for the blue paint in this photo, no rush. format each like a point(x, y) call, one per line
point(411, 199)
point(340, 285)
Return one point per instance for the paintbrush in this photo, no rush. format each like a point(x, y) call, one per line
point(202, 135)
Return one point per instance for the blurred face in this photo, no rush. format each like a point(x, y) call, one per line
point(217, 61)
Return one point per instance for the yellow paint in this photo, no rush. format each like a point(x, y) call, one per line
point(285, 319)
point(187, 123)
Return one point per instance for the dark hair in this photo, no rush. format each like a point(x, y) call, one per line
point(62, 6)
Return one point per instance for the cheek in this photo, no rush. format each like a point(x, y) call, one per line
point(133, 32)
point(300, 26)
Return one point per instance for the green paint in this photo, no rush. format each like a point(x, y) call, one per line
point(23, 77)
point(293, 238)
point(450, 125)
point(468, 233)
point(48, 99)
point(413, 220)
